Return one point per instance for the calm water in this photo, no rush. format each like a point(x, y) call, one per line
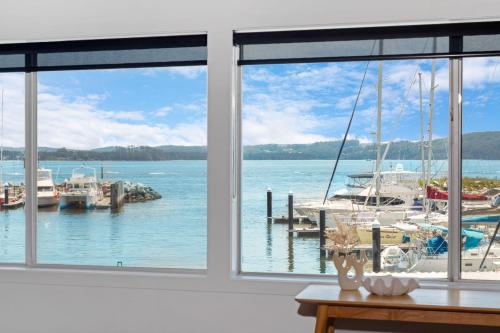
point(171, 232)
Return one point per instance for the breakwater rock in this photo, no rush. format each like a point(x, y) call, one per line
point(137, 192)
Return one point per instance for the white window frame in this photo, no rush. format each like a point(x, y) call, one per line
point(223, 194)
point(454, 189)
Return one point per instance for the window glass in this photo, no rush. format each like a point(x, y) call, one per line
point(136, 136)
point(12, 221)
point(294, 118)
point(480, 254)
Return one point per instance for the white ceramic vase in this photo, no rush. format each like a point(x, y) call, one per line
point(344, 263)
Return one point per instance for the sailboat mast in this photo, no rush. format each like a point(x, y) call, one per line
point(379, 133)
point(429, 120)
point(422, 147)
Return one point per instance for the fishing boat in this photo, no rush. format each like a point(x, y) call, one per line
point(81, 190)
point(47, 193)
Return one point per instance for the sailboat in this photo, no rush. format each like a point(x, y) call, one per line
point(390, 197)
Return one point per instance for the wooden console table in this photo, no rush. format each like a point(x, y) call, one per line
point(463, 307)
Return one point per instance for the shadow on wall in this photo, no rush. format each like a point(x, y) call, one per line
point(373, 326)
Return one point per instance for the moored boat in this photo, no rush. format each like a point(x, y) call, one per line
point(47, 193)
point(81, 190)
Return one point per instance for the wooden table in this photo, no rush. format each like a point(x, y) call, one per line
point(453, 306)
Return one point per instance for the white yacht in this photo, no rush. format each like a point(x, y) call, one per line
point(81, 189)
point(46, 190)
point(398, 191)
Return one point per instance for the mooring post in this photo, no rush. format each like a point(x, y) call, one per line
point(117, 195)
point(322, 243)
point(6, 195)
point(290, 214)
point(102, 172)
point(376, 245)
point(269, 205)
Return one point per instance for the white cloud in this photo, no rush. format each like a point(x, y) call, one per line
point(162, 112)
point(80, 123)
point(12, 85)
point(329, 92)
point(479, 72)
point(271, 119)
point(124, 115)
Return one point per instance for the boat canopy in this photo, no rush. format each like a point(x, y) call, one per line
point(472, 236)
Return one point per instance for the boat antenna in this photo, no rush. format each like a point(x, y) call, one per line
point(347, 130)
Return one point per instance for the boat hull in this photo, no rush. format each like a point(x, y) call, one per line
point(385, 216)
point(48, 201)
point(388, 235)
point(78, 201)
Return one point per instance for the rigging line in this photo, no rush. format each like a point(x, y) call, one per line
point(405, 99)
point(347, 130)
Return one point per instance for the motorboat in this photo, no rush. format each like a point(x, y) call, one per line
point(81, 190)
point(47, 194)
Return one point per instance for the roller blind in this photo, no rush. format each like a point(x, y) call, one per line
point(105, 53)
point(444, 40)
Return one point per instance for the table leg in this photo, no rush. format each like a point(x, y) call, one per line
point(331, 325)
point(321, 319)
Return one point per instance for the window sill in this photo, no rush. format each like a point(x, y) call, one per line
point(192, 280)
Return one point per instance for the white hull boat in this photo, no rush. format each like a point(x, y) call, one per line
point(81, 189)
point(47, 193)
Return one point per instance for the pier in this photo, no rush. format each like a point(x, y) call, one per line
point(304, 227)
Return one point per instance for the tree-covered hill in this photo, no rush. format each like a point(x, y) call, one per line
point(478, 145)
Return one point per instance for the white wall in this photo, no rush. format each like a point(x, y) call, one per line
point(44, 301)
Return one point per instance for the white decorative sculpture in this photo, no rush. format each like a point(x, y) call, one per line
point(344, 263)
point(389, 285)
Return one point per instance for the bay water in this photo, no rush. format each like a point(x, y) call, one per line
point(172, 232)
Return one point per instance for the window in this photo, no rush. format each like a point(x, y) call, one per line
point(144, 127)
point(120, 176)
point(356, 123)
point(294, 118)
point(12, 176)
point(480, 168)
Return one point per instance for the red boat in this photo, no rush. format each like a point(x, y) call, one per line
point(437, 194)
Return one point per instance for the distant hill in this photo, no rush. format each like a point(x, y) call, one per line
point(478, 145)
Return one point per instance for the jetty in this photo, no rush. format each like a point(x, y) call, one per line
point(114, 194)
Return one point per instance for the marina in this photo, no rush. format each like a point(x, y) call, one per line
point(79, 191)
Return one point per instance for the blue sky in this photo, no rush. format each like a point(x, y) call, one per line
point(312, 102)
point(293, 103)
